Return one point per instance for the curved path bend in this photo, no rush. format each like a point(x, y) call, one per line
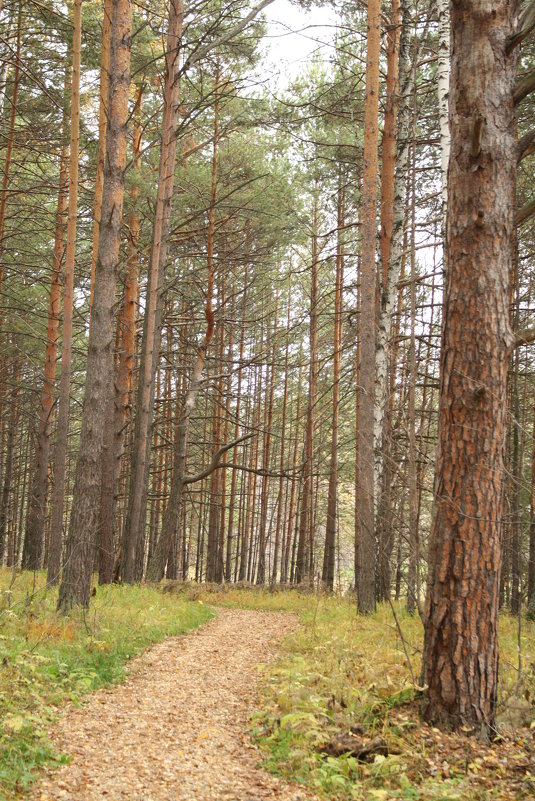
point(177, 729)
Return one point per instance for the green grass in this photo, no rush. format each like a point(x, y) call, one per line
point(340, 670)
point(47, 660)
point(335, 671)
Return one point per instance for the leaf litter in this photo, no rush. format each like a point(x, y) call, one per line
point(177, 730)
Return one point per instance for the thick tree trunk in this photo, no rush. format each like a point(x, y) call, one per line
point(461, 640)
point(118, 412)
point(76, 579)
point(102, 131)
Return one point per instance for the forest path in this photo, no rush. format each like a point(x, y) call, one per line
point(177, 729)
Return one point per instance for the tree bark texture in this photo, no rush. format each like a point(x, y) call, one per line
point(134, 529)
point(366, 389)
point(461, 644)
point(76, 579)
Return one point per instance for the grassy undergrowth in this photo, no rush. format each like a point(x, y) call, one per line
point(47, 660)
point(340, 671)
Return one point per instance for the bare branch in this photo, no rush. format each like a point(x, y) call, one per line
point(524, 87)
point(525, 212)
point(525, 337)
point(199, 54)
point(216, 461)
point(526, 24)
point(525, 146)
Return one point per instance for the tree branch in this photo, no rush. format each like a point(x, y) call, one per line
point(525, 337)
point(524, 87)
point(199, 54)
point(526, 24)
point(525, 212)
point(525, 146)
point(260, 471)
point(215, 463)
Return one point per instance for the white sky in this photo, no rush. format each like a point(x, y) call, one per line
point(293, 35)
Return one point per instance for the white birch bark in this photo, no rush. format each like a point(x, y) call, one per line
point(443, 89)
point(388, 298)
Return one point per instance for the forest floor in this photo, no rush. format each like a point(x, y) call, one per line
point(177, 730)
point(255, 704)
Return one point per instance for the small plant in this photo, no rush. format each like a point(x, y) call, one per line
point(47, 660)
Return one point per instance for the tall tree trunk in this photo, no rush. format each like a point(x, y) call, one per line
point(212, 556)
point(135, 523)
point(118, 411)
point(366, 390)
point(76, 579)
point(531, 563)
point(306, 521)
point(172, 514)
point(234, 479)
point(171, 517)
point(329, 554)
point(10, 142)
point(392, 254)
point(286, 565)
point(266, 459)
point(412, 600)
point(278, 525)
point(460, 661)
point(35, 517)
point(10, 451)
point(102, 132)
point(33, 549)
point(443, 89)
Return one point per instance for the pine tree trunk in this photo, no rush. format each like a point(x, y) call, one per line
point(366, 391)
point(461, 639)
point(10, 451)
point(234, 479)
point(306, 520)
point(156, 568)
point(102, 131)
point(118, 410)
point(76, 579)
point(9, 144)
point(266, 460)
point(278, 524)
point(35, 517)
point(33, 549)
point(133, 545)
point(329, 554)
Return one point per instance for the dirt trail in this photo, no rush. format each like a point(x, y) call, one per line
point(177, 730)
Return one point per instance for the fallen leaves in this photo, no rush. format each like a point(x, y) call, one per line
point(175, 730)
